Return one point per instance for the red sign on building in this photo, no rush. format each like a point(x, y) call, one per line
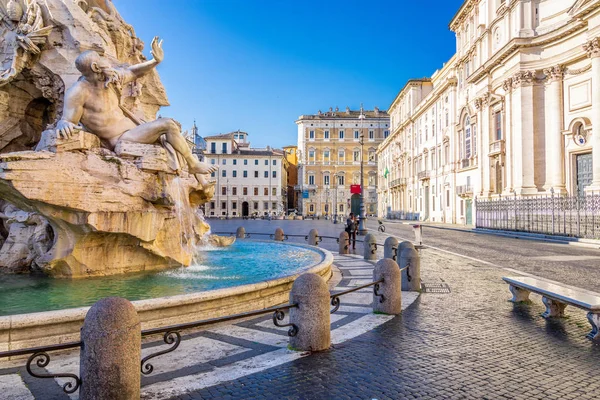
point(355, 189)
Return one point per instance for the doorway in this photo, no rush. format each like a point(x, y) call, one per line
point(245, 209)
point(469, 216)
point(355, 204)
point(584, 172)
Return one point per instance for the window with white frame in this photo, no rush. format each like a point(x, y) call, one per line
point(356, 134)
point(467, 138)
point(311, 134)
point(371, 155)
point(356, 155)
point(326, 179)
point(371, 135)
point(341, 155)
point(498, 125)
point(326, 155)
point(326, 135)
point(311, 179)
point(340, 180)
point(341, 134)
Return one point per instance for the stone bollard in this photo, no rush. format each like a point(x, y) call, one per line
point(344, 243)
point(111, 351)
point(391, 302)
point(369, 251)
point(311, 316)
point(279, 235)
point(389, 248)
point(240, 233)
point(313, 237)
point(401, 246)
point(411, 275)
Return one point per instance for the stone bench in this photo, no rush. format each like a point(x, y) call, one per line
point(556, 297)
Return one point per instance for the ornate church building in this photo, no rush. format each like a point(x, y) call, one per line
point(515, 112)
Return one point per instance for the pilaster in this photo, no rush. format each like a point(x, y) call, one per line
point(554, 149)
point(508, 129)
point(523, 148)
point(592, 48)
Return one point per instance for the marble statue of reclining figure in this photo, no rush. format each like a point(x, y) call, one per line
point(93, 104)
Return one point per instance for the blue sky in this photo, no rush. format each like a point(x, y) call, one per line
point(256, 65)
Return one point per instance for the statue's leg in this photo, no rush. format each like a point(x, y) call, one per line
point(150, 132)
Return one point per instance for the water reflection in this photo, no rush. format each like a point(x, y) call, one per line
point(244, 262)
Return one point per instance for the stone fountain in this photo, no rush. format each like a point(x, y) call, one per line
point(91, 182)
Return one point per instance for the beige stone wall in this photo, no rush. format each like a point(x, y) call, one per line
point(327, 196)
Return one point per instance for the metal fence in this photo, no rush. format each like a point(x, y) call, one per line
point(575, 216)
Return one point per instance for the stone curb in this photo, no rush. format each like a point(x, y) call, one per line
point(60, 326)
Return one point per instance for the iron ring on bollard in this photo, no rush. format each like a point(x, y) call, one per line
point(408, 271)
point(169, 337)
point(373, 247)
point(43, 359)
point(318, 239)
point(375, 290)
point(279, 315)
point(335, 302)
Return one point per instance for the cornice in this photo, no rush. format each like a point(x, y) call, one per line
point(461, 14)
point(521, 43)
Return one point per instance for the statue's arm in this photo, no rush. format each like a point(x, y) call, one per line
point(72, 111)
point(139, 70)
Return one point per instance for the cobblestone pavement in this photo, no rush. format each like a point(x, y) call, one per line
point(218, 353)
point(470, 343)
point(559, 262)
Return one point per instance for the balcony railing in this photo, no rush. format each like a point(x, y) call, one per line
point(496, 147)
point(464, 190)
point(398, 182)
point(424, 175)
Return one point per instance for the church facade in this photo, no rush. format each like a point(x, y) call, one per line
point(515, 112)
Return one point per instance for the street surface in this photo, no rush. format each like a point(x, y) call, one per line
point(575, 266)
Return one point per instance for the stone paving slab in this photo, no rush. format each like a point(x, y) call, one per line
point(469, 343)
point(219, 353)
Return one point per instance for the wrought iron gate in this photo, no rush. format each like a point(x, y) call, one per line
point(576, 216)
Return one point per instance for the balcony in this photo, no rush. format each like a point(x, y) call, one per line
point(398, 182)
point(496, 147)
point(464, 190)
point(424, 175)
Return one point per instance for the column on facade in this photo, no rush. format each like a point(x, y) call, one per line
point(593, 49)
point(507, 86)
point(483, 140)
point(553, 135)
point(523, 149)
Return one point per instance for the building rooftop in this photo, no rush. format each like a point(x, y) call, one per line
point(346, 114)
point(220, 136)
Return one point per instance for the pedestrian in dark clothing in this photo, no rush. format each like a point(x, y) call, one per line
point(351, 230)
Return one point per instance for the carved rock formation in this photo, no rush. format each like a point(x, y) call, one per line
point(108, 214)
point(68, 207)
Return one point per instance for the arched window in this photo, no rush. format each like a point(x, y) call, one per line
point(341, 155)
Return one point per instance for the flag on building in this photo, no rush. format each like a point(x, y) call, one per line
point(385, 174)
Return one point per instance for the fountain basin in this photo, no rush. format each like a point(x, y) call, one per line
point(52, 327)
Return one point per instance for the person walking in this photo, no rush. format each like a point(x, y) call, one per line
point(351, 230)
